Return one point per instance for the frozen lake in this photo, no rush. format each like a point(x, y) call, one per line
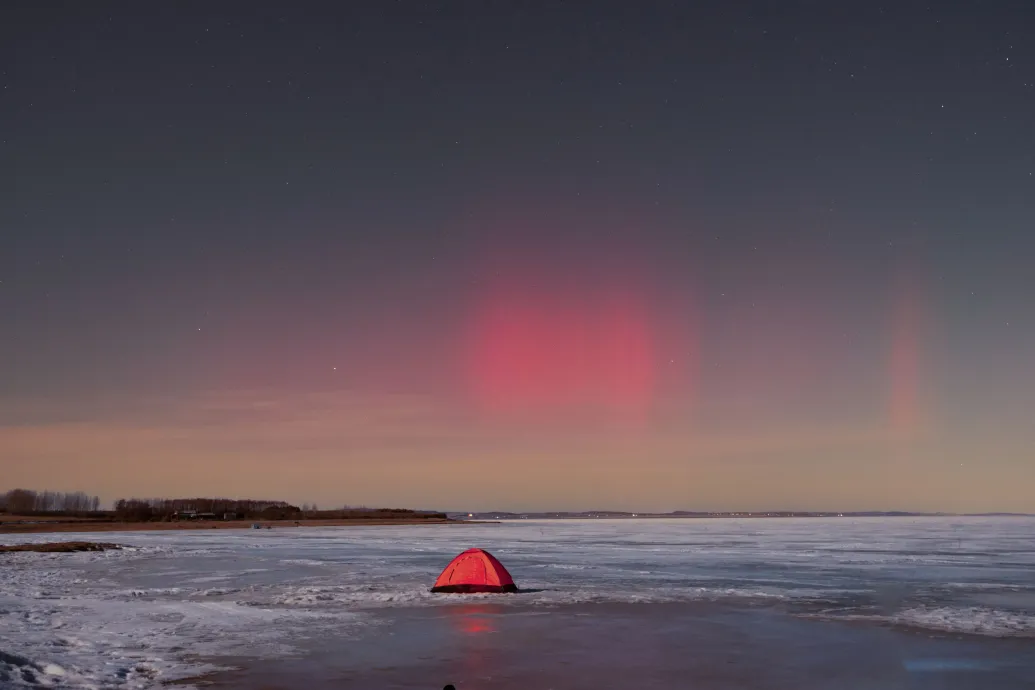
point(178, 604)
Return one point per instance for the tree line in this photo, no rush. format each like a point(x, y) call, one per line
point(143, 509)
point(27, 501)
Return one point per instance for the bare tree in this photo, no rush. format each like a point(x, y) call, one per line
point(21, 501)
point(24, 501)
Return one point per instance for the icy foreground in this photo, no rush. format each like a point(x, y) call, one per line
point(172, 604)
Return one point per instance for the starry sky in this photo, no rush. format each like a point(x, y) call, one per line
point(521, 255)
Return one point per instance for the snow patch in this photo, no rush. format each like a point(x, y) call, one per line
point(970, 620)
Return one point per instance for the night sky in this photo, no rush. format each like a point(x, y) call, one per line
point(521, 255)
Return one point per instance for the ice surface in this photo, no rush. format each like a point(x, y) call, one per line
point(128, 619)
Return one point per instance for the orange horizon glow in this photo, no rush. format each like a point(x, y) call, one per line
point(552, 377)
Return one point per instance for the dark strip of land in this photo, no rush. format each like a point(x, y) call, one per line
point(60, 547)
point(29, 526)
point(616, 515)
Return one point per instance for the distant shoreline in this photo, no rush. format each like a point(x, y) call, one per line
point(53, 526)
point(604, 515)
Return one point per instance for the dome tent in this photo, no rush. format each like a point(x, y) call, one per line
point(474, 571)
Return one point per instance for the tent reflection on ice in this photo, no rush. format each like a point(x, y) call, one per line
point(474, 571)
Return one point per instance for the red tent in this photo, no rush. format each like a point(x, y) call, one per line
point(474, 570)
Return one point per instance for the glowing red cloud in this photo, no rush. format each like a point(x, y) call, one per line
point(531, 350)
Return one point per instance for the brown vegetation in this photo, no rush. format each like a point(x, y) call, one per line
point(165, 509)
point(60, 547)
point(109, 526)
point(145, 509)
point(28, 502)
point(22, 510)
